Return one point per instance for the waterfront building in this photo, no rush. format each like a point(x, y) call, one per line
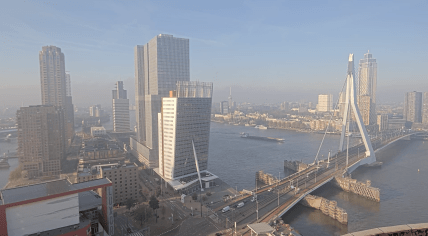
point(367, 82)
point(159, 64)
point(124, 177)
point(96, 111)
point(425, 108)
point(224, 107)
point(120, 109)
point(325, 103)
point(184, 120)
point(58, 207)
point(413, 107)
point(382, 122)
point(54, 88)
point(41, 139)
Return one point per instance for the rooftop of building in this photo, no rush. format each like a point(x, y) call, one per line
point(87, 170)
point(89, 200)
point(45, 189)
point(188, 180)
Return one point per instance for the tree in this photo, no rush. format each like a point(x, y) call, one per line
point(163, 210)
point(154, 204)
point(195, 196)
point(204, 198)
point(16, 174)
point(208, 194)
point(129, 203)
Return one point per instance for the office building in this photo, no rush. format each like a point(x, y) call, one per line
point(124, 177)
point(159, 64)
point(98, 131)
point(58, 207)
point(284, 106)
point(366, 95)
point(55, 85)
point(231, 104)
point(120, 104)
point(382, 122)
point(184, 119)
point(96, 111)
point(413, 107)
point(224, 107)
point(41, 139)
point(425, 108)
point(325, 103)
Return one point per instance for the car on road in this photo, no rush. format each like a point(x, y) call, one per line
point(241, 204)
point(253, 199)
point(225, 209)
point(270, 190)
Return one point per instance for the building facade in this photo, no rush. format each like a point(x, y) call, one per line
point(382, 122)
point(124, 177)
point(224, 107)
point(120, 104)
point(159, 64)
point(325, 103)
point(413, 107)
point(366, 89)
point(55, 85)
point(185, 119)
point(41, 139)
point(425, 108)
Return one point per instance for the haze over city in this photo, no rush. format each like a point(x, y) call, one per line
point(267, 51)
point(191, 118)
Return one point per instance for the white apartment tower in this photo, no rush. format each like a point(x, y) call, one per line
point(159, 64)
point(184, 117)
point(120, 104)
point(325, 103)
point(413, 107)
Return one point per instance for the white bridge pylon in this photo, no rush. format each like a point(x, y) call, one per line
point(351, 100)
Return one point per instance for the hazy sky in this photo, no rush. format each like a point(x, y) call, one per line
point(268, 51)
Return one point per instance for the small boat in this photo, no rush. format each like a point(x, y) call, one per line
point(4, 164)
point(262, 127)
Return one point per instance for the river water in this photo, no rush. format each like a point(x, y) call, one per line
point(235, 160)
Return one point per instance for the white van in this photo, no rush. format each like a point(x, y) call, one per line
point(225, 209)
point(241, 204)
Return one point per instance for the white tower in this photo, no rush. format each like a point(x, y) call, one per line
point(351, 100)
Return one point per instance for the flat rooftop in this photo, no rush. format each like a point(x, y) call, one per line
point(188, 180)
point(44, 189)
point(89, 200)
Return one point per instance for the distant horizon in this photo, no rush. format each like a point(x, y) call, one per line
point(281, 51)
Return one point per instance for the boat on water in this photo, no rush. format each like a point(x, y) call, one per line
point(260, 127)
point(247, 135)
point(250, 125)
point(4, 164)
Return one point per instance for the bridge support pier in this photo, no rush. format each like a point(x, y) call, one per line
point(354, 186)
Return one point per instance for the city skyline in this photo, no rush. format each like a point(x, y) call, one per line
point(106, 57)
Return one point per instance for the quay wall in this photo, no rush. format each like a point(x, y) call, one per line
point(402, 230)
point(363, 189)
point(327, 207)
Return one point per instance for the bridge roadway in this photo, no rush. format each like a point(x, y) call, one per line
point(290, 190)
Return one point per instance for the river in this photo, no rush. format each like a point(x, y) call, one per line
point(4, 148)
point(235, 160)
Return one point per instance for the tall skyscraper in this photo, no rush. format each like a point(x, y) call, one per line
point(425, 108)
point(41, 139)
point(120, 104)
point(231, 107)
point(224, 107)
point(325, 103)
point(159, 64)
point(413, 107)
point(54, 84)
point(367, 81)
point(185, 118)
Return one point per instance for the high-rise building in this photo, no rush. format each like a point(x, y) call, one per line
point(224, 107)
point(55, 84)
point(231, 105)
point(325, 103)
point(184, 123)
point(367, 82)
point(120, 109)
point(382, 122)
point(41, 139)
point(159, 64)
point(69, 108)
point(96, 111)
point(413, 107)
point(425, 108)
point(284, 106)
